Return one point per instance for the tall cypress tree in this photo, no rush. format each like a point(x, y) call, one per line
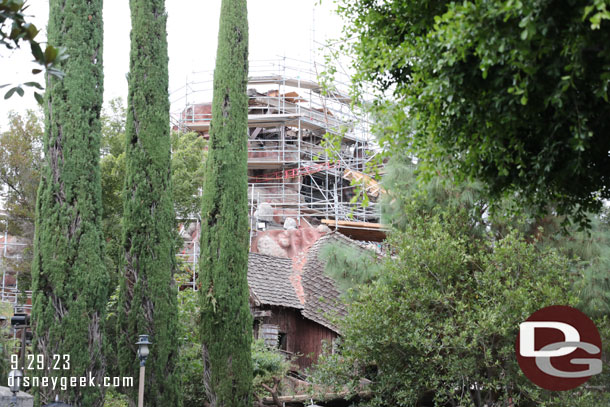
point(69, 278)
point(148, 298)
point(225, 315)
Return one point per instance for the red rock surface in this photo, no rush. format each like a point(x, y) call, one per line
point(285, 243)
point(293, 244)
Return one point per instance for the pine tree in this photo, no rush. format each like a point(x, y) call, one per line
point(69, 278)
point(148, 297)
point(225, 315)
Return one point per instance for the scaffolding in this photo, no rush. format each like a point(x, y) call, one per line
point(10, 250)
point(292, 171)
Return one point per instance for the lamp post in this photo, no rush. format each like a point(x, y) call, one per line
point(15, 377)
point(143, 352)
point(21, 321)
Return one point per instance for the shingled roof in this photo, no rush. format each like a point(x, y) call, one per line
point(300, 282)
point(323, 302)
point(269, 280)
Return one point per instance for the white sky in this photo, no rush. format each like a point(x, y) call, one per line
point(278, 28)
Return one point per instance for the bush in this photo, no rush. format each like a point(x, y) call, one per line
point(191, 369)
point(266, 364)
point(115, 399)
point(190, 365)
point(442, 319)
point(5, 351)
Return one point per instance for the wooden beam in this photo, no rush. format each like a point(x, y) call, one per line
point(352, 224)
point(304, 398)
point(363, 231)
point(261, 314)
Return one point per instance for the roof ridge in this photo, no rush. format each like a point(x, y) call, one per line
point(270, 256)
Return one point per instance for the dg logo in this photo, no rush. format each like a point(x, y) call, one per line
point(559, 348)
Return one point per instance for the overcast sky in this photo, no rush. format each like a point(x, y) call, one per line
point(278, 28)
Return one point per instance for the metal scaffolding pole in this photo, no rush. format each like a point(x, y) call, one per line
point(2, 264)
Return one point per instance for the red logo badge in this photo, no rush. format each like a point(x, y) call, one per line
point(559, 348)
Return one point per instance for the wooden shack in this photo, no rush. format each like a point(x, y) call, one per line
point(294, 303)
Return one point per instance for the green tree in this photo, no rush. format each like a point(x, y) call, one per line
point(349, 266)
point(514, 93)
point(437, 195)
point(20, 164)
point(114, 117)
point(590, 249)
point(70, 282)
point(446, 310)
point(113, 178)
point(450, 254)
point(188, 165)
point(226, 323)
point(147, 300)
point(188, 168)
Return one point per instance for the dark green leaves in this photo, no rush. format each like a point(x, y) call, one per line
point(512, 93)
point(443, 314)
point(226, 322)
point(50, 53)
point(13, 29)
point(34, 84)
point(68, 269)
point(11, 92)
point(148, 226)
point(36, 51)
point(19, 90)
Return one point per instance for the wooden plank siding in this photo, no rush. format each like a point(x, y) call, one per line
point(303, 337)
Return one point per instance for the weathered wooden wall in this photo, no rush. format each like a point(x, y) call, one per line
point(303, 336)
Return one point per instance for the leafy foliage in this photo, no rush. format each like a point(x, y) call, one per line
point(226, 322)
point(268, 366)
point(112, 165)
point(20, 164)
point(441, 195)
point(69, 280)
point(514, 93)
point(114, 117)
point(188, 168)
point(448, 307)
point(111, 332)
point(349, 266)
point(115, 399)
point(190, 364)
point(13, 29)
point(591, 249)
point(147, 296)
point(7, 345)
point(21, 159)
point(435, 196)
point(448, 302)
